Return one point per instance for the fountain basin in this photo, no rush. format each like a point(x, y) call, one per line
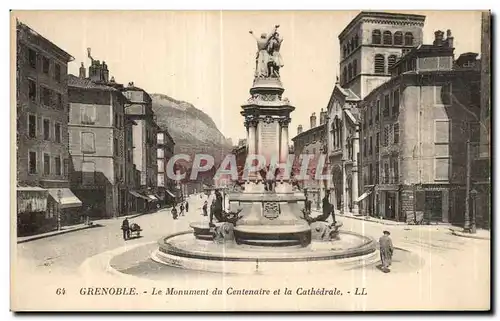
point(184, 251)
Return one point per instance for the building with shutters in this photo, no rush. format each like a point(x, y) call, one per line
point(414, 133)
point(165, 151)
point(97, 134)
point(42, 157)
point(311, 142)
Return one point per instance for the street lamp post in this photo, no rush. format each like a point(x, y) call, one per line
point(59, 197)
point(473, 195)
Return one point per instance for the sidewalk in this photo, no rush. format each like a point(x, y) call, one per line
point(480, 234)
point(63, 230)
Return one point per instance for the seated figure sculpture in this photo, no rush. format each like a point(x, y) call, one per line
point(320, 228)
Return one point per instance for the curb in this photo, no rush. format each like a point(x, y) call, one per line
point(467, 235)
point(363, 218)
point(43, 236)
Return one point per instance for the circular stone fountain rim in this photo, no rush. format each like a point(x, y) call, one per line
point(368, 247)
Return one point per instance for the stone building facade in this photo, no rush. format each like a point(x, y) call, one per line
point(415, 129)
point(311, 142)
point(97, 137)
point(144, 136)
point(42, 157)
point(165, 151)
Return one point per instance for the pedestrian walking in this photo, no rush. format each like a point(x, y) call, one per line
point(181, 213)
point(205, 208)
point(174, 213)
point(187, 206)
point(126, 229)
point(386, 251)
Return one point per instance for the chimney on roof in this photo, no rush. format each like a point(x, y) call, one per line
point(299, 129)
point(449, 38)
point(82, 71)
point(105, 72)
point(313, 120)
point(438, 38)
point(322, 117)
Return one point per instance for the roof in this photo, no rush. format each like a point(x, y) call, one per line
point(310, 130)
point(86, 83)
point(58, 49)
point(394, 16)
point(424, 50)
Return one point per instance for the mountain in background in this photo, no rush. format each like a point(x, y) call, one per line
point(192, 130)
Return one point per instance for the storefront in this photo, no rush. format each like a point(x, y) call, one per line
point(62, 201)
point(32, 216)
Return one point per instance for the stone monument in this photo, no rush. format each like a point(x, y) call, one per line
point(271, 214)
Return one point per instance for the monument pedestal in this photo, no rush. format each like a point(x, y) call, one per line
point(270, 218)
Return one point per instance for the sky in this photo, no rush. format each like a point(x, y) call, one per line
point(207, 58)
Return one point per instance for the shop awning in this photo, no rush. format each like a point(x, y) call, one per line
point(152, 197)
point(138, 195)
point(65, 197)
point(363, 196)
point(31, 199)
point(170, 193)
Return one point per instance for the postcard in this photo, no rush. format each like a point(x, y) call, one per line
point(251, 161)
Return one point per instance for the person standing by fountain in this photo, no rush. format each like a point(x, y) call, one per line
point(181, 213)
point(205, 208)
point(386, 251)
point(187, 206)
point(328, 208)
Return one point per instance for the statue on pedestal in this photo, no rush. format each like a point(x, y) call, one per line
point(268, 60)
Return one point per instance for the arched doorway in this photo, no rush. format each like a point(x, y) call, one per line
point(338, 187)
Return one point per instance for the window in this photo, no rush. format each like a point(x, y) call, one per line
point(386, 135)
point(45, 96)
point(344, 75)
point(32, 58)
point(379, 64)
point(354, 67)
point(88, 115)
point(370, 151)
point(377, 143)
point(442, 94)
point(57, 162)
point(391, 60)
point(59, 102)
point(398, 38)
point(441, 168)
point(349, 68)
point(475, 94)
point(356, 41)
point(32, 126)
point(57, 132)
point(408, 39)
point(88, 142)
point(116, 147)
point(116, 120)
point(386, 105)
point(45, 65)
point(396, 133)
point(376, 37)
point(442, 131)
point(345, 51)
point(160, 153)
point(364, 147)
point(386, 173)
point(377, 111)
point(88, 173)
point(396, 170)
point(369, 111)
point(395, 102)
point(387, 38)
point(46, 129)
point(32, 162)
point(370, 174)
point(32, 89)
point(46, 164)
point(57, 72)
point(377, 174)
